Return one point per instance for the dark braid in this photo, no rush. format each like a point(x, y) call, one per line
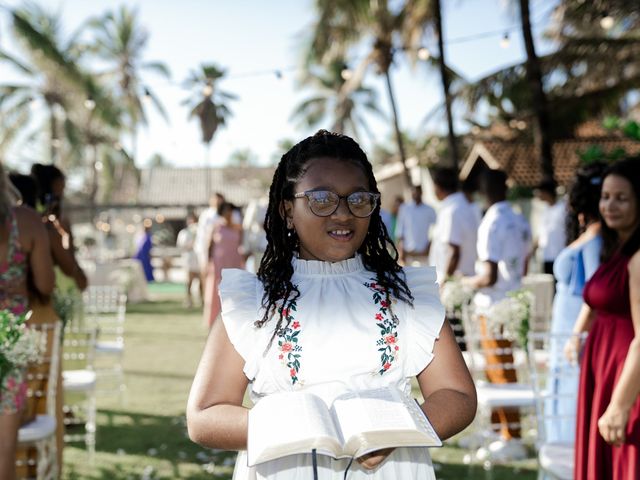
point(276, 266)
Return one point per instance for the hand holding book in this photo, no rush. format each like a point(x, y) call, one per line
point(355, 424)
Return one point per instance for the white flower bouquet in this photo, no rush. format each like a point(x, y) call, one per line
point(454, 295)
point(510, 317)
point(19, 345)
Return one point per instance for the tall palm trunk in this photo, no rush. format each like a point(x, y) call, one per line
point(207, 163)
point(54, 145)
point(396, 127)
point(444, 76)
point(542, 136)
point(93, 193)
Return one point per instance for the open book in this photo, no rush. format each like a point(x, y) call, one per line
point(355, 424)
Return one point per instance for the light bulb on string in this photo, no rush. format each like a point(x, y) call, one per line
point(424, 53)
point(207, 90)
point(505, 41)
point(89, 103)
point(607, 21)
point(278, 74)
point(346, 73)
point(147, 95)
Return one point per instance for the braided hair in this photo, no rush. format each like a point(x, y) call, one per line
point(276, 267)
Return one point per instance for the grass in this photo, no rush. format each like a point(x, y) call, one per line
point(143, 436)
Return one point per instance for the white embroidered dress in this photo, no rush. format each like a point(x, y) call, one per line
point(332, 345)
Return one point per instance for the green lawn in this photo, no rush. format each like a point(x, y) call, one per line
point(144, 436)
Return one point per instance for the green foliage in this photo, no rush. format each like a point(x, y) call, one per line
point(519, 192)
point(596, 153)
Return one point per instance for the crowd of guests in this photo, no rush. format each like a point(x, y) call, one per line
point(37, 258)
point(588, 241)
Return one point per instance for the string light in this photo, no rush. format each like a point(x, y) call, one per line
point(505, 41)
point(424, 53)
point(346, 73)
point(278, 74)
point(607, 21)
point(207, 90)
point(89, 103)
point(147, 95)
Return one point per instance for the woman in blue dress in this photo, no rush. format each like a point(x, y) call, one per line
point(572, 268)
point(143, 251)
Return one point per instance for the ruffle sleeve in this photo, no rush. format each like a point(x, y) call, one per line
point(241, 297)
point(424, 320)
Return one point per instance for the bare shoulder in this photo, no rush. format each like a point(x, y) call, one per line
point(634, 266)
point(28, 217)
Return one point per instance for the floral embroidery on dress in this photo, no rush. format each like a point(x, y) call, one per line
point(388, 323)
point(290, 350)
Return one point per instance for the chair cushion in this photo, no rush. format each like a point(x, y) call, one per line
point(78, 380)
point(493, 395)
point(42, 427)
point(557, 459)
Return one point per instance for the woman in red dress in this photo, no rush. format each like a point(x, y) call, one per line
point(608, 415)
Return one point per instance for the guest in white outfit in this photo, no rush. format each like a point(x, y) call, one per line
point(504, 239)
point(415, 220)
point(185, 242)
point(552, 236)
point(453, 246)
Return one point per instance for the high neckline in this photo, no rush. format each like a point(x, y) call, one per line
point(318, 267)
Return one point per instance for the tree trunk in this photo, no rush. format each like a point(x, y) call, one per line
point(444, 76)
point(207, 159)
point(54, 141)
point(396, 127)
point(94, 182)
point(542, 136)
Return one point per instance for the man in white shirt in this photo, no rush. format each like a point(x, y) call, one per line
point(415, 219)
point(504, 239)
point(552, 236)
point(453, 246)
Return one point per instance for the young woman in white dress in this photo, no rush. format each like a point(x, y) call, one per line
point(330, 310)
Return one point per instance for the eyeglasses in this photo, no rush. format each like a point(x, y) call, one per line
point(324, 203)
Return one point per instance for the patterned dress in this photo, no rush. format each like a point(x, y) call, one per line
point(13, 271)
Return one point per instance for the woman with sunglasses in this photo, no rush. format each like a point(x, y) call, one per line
point(310, 320)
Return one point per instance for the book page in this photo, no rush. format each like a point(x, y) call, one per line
point(380, 418)
point(287, 423)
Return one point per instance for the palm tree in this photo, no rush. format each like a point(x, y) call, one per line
point(243, 158)
point(327, 103)
point(120, 40)
point(340, 24)
point(580, 79)
point(542, 136)
point(208, 104)
point(50, 75)
point(419, 17)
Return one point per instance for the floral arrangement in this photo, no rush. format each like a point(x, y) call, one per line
point(19, 345)
point(510, 317)
point(454, 295)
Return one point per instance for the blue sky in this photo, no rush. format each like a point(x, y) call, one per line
point(253, 39)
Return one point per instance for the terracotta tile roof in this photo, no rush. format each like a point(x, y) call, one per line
point(188, 186)
point(519, 159)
